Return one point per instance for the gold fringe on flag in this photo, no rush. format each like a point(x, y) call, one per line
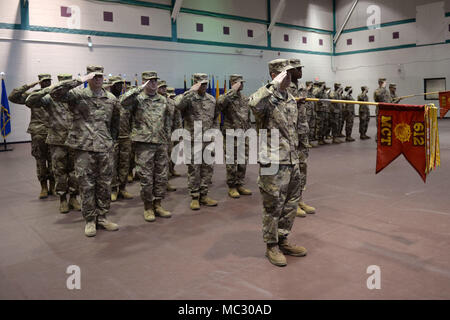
point(433, 155)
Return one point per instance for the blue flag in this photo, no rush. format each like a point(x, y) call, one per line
point(5, 123)
point(213, 88)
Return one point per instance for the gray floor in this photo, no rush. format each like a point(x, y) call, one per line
point(392, 220)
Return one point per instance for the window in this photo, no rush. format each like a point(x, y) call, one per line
point(303, 39)
point(226, 30)
point(250, 33)
point(107, 16)
point(199, 27)
point(371, 38)
point(320, 42)
point(349, 42)
point(65, 12)
point(432, 85)
point(145, 21)
point(286, 37)
point(396, 35)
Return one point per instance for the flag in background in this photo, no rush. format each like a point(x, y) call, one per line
point(213, 88)
point(224, 84)
point(185, 87)
point(444, 102)
point(5, 122)
point(135, 80)
point(209, 85)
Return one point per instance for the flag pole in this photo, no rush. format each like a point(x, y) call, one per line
point(341, 101)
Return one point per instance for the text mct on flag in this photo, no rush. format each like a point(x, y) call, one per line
point(410, 130)
point(444, 102)
point(5, 116)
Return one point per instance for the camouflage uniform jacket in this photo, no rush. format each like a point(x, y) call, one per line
point(59, 115)
point(174, 115)
point(275, 110)
point(151, 117)
point(320, 106)
point(39, 116)
point(195, 107)
point(303, 127)
point(335, 107)
point(235, 110)
point(382, 95)
point(348, 107)
point(96, 119)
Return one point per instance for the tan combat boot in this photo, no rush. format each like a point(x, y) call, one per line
point(51, 187)
point(149, 214)
point(321, 142)
point(300, 212)
point(44, 190)
point(195, 205)
point(159, 210)
point(130, 178)
point(340, 135)
point(73, 203)
point(306, 208)
point(207, 201)
point(174, 173)
point(124, 194)
point(170, 188)
point(244, 191)
point(233, 193)
point(291, 249)
point(336, 141)
point(90, 229)
point(275, 256)
point(106, 224)
point(63, 205)
point(114, 195)
point(349, 139)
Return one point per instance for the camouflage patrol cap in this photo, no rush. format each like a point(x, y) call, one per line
point(327, 88)
point(392, 85)
point(337, 84)
point(97, 69)
point(308, 83)
point(200, 77)
point(347, 88)
point(381, 79)
point(296, 63)
point(364, 88)
point(64, 76)
point(44, 76)
point(147, 75)
point(171, 92)
point(162, 83)
point(279, 65)
point(235, 78)
point(321, 83)
point(115, 79)
point(316, 83)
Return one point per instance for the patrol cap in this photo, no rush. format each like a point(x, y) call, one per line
point(279, 65)
point(97, 69)
point(321, 83)
point(148, 75)
point(200, 77)
point(296, 63)
point(115, 79)
point(337, 84)
point(316, 83)
point(364, 88)
point(44, 76)
point(392, 85)
point(381, 79)
point(327, 88)
point(64, 76)
point(162, 83)
point(235, 78)
point(347, 88)
point(171, 91)
point(308, 83)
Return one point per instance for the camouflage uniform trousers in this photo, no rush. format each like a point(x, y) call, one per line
point(199, 175)
point(41, 152)
point(94, 173)
point(311, 118)
point(303, 157)
point(341, 121)
point(348, 118)
point(364, 118)
point(235, 171)
point(152, 167)
point(335, 122)
point(171, 163)
point(281, 194)
point(132, 159)
point(63, 163)
point(322, 124)
point(122, 158)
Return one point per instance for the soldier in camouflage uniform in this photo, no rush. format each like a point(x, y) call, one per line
point(38, 129)
point(381, 94)
point(275, 108)
point(197, 105)
point(303, 134)
point(60, 121)
point(393, 93)
point(364, 113)
point(321, 111)
point(236, 115)
point(175, 120)
point(336, 113)
point(348, 114)
point(122, 147)
point(171, 94)
point(95, 127)
point(310, 112)
point(151, 136)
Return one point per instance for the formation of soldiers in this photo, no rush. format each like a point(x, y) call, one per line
point(87, 140)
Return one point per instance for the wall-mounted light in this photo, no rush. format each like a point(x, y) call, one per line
point(89, 42)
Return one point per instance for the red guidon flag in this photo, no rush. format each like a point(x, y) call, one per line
point(401, 130)
point(444, 102)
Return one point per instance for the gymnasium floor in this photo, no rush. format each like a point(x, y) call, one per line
point(392, 220)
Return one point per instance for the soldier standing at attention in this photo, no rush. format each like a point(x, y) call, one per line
point(275, 108)
point(63, 157)
point(236, 115)
point(171, 94)
point(336, 113)
point(322, 112)
point(122, 147)
point(38, 129)
point(348, 114)
point(175, 120)
point(303, 133)
point(310, 112)
point(364, 114)
point(95, 127)
point(381, 95)
point(197, 105)
point(150, 135)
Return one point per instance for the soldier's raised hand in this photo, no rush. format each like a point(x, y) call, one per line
point(145, 84)
point(87, 77)
point(236, 86)
point(196, 86)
